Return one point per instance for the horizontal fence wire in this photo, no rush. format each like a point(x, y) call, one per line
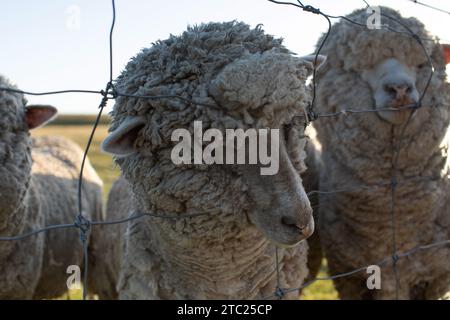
point(430, 6)
point(110, 93)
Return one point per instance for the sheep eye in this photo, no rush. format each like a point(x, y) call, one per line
point(422, 65)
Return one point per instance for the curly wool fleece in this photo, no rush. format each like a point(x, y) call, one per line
point(357, 150)
point(247, 80)
point(354, 48)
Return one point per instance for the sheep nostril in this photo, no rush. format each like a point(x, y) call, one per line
point(398, 91)
point(309, 229)
point(305, 229)
point(289, 221)
point(390, 89)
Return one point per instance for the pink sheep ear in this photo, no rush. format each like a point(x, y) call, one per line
point(446, 48)
point(121, 141)
point(36, 115)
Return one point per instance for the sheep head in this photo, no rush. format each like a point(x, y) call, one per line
point(392, 67)
point(394, 85)
point(240, 84)
point(16, 119)
point(268, 90)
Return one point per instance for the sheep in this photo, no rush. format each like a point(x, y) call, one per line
point(38, 187)
point(106, 247)
point(374, 70)
point(236, 77)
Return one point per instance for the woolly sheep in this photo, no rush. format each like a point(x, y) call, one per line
point(38, 187)
point(241, 78)
point(375, 69)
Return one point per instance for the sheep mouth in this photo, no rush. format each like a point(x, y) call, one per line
point(397, 111)
point(295, 234)
point(286, 235)
point(403, 104)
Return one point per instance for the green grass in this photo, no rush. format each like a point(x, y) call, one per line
point(102, 163)
point(79, 119)
point(74, 294)
point(78, 128)
point(321, 289)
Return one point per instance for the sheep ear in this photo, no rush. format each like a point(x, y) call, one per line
point(446, 48)
point(317, 63)
point(121, 141)
point(38, 115)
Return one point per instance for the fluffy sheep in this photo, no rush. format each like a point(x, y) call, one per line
point(239, 78)
point(377, 69)
point(38, 187)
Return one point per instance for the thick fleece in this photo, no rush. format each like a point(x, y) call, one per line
point(38, 187)
point(357, 150)
point(248, 80)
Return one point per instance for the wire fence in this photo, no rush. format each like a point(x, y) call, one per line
point(110, 93)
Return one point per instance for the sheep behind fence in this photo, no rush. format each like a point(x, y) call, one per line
point(110, 92)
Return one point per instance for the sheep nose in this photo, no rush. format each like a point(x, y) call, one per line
point(306, 229)
point(398, 91)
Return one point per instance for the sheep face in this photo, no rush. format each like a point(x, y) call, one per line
point(276, 204)
point(281, 209)
point(261, 90)
point(397, 84)
point(393, 85)
point(258, 89)
point(388, 70)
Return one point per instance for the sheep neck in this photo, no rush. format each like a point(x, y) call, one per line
point(210, 265)
point(366, 164)
point(367, 154)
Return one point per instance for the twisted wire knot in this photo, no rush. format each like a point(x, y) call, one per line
point(110, 92)
point(395, 258)
point(394, 182)
point(416, 37)
point(311, 9)
point(312, 116)
point(418, 105)
point(279, 293)
point(84, 225)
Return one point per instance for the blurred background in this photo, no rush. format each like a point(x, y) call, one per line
point(54, 45)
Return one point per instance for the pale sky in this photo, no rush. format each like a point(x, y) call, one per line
point(53, 45)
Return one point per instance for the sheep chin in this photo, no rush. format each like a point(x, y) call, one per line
point(394, 117)
point(281, 237)
point(287, 246)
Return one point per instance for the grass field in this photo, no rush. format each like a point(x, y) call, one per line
point(102, 163)
point(78, 128)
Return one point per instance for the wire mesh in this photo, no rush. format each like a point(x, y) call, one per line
point(109, 93)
